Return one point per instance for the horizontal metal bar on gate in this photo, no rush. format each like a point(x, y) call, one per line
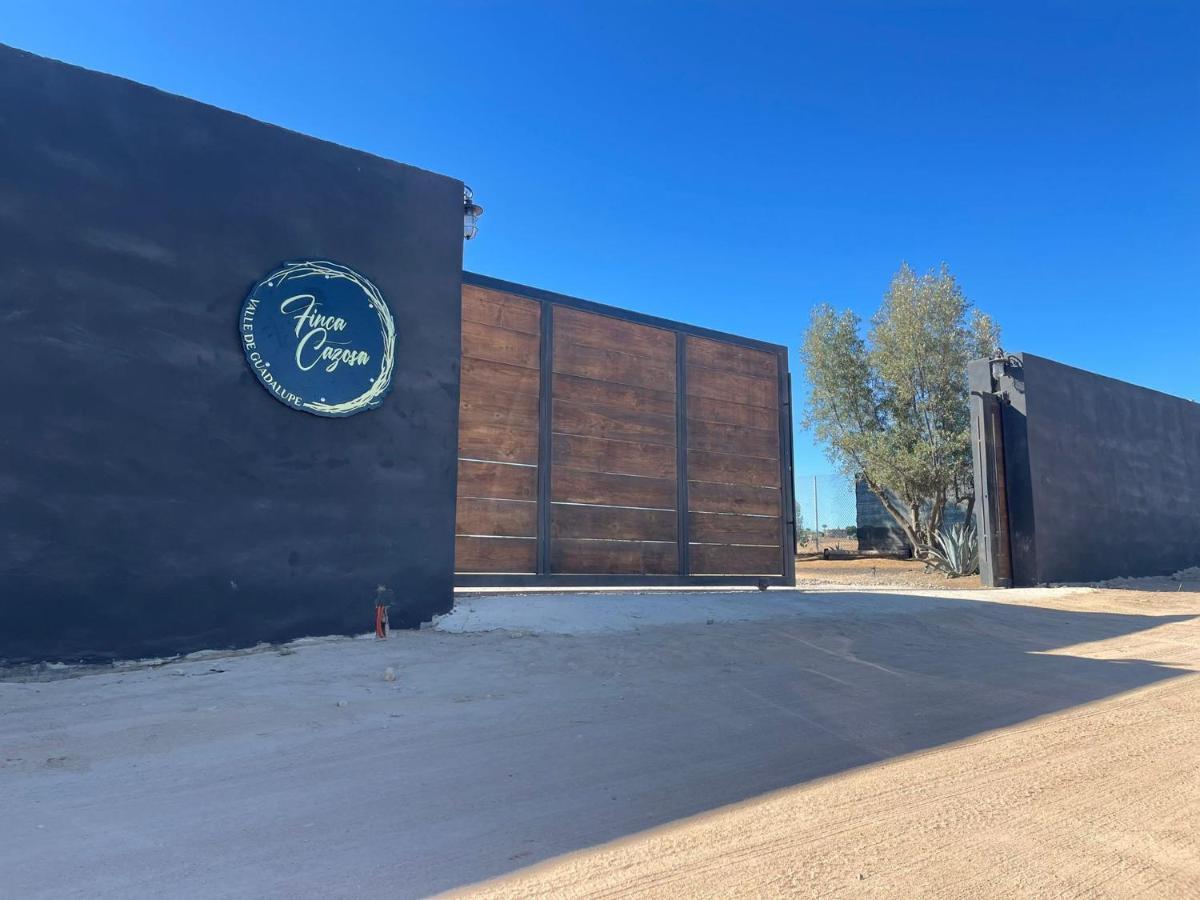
point(616, 312)
point(632, 581)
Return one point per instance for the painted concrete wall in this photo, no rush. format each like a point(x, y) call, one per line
point(154, 498)
point(1103, 476)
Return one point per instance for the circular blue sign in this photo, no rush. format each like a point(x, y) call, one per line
point(320, 338)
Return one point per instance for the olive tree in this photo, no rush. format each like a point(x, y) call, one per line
point(892, 406)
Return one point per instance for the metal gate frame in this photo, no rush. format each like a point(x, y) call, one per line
point(988, 473)
point(544, 578)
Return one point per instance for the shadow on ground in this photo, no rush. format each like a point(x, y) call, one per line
point(492, 752)
point(717, 714)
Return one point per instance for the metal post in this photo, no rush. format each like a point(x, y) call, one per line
point(998, 494)
point(816, 514)
point(989, 476)
point(682, 525)
point(787, 484)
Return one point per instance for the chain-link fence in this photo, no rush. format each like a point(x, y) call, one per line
point(826, 514)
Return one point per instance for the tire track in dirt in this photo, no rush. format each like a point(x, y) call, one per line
point(1098, 800)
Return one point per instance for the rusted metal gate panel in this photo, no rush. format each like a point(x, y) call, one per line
point(598, 446)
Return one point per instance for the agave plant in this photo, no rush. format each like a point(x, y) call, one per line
point(957, 550)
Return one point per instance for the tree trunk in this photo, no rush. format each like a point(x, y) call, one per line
point(935, 517)
point(915, 513)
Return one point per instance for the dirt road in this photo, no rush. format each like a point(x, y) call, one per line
point(1100, 800)
point(898, 744)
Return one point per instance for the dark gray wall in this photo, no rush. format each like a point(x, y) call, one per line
point(153, 497)
point(1103, 477)
point(878, 532)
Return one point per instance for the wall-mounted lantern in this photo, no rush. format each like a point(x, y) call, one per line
point(471, 213)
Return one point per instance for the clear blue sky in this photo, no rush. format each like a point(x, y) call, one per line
point(730, 164)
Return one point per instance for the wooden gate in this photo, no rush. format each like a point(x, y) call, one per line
point(598, 446)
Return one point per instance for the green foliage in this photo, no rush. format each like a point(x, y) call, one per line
point(893, 406)
point(851, 530)
point(957, 550)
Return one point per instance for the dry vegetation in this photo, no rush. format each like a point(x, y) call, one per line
point(876, 572)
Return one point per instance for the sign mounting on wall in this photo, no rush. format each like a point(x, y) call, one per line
point(320, 338)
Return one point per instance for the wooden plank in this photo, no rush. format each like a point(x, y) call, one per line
point(514, 348)
point(613, 423)
point(500, 310)
point(607, 333)
point(605, 393)
point(733, 498)
point(615, 522)
point(512, 518)
point(733, 439)
point(724, 468)
point(574, 486)
point(731, 358)
point(612, 365)
point(747, 389)
point(717, 559)
point(712, 528)
point(613, 558)
point(704, 409)
point(495, 554)
point(498, 408)
point(482, 375)
point(613, 457)
point(497, 443)
point(496, 480)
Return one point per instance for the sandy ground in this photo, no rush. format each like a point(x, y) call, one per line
point(889, 743)
point(816, 572)
point(877, 572)
point(1099, 800)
